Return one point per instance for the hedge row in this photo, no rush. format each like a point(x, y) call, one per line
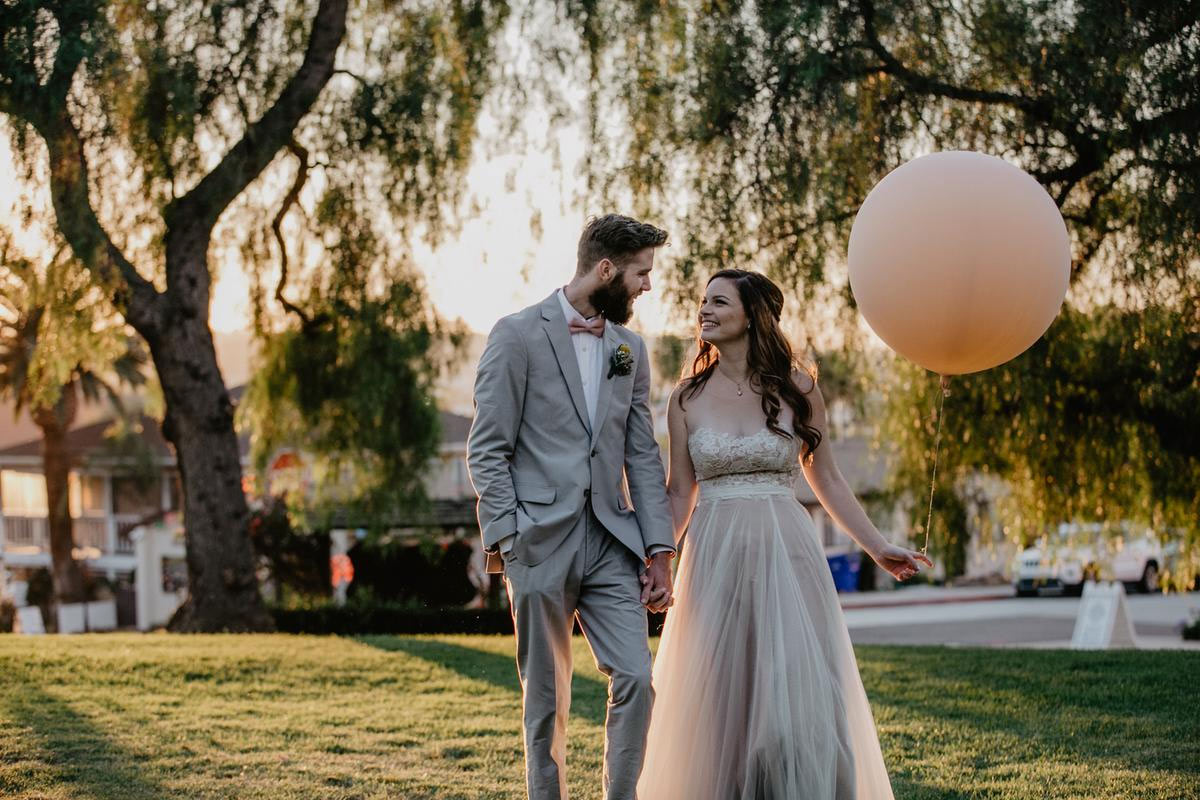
point(354, 619)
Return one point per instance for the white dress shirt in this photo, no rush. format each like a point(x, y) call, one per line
point(589, 353)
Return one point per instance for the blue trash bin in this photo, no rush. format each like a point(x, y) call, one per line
point(844, 567)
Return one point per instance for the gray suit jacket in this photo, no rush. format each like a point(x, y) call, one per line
point(535, 460)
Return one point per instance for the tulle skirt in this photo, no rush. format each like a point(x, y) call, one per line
point(758, 695)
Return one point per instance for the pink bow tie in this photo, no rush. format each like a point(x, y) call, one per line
point(595, 327)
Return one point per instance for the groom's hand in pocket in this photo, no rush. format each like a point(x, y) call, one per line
point(657, 590)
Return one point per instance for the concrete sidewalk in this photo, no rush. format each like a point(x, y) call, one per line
point(983, 617)
point(924, 595)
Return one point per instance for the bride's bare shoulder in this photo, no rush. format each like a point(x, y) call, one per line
point(676, 401)
point(683, 391)
point(805, 378)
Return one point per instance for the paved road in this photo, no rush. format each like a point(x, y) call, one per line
point(950, 617)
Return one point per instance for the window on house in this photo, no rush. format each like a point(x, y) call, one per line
point(87, 495)
point(23, 494)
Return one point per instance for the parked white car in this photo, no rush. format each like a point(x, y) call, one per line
point(1073, 554)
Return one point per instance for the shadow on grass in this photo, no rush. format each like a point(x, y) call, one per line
point(74, 752)
point(905, 789)
point(588, 695)
point(1101, 707)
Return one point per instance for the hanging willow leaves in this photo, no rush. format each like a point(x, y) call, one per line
point(756, 129)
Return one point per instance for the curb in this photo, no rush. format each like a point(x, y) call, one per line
point(929, 601)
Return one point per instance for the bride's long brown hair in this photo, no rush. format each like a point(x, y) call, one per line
point(769, 358)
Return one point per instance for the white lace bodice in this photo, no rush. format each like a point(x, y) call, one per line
point(729, 465)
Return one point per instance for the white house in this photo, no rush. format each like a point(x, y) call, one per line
point(110, 494)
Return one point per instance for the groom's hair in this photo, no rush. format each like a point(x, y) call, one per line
point(616, 238)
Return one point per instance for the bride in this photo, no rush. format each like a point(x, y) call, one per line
point(758, 695)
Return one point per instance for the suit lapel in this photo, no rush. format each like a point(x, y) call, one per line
point(555, 326)
point(611, 342)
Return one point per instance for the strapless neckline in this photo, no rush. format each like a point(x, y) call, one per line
point(728, 435)
point(733, 464)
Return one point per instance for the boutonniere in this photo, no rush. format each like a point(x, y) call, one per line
point(621, 361)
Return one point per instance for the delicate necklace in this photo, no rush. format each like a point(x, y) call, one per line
point(736, 383)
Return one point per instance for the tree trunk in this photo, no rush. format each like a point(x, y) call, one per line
point(223, 590)
point(222, 585)
point(56, 466)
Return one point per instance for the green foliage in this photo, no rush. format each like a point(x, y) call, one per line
point(670, 353)
point(58, 333)
point(350, 383)
point(299, 561)
point(1096, 422)
point(760, 127)
point(163, 88)
point(40, 592)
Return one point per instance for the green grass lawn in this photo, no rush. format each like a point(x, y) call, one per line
point(160, 716)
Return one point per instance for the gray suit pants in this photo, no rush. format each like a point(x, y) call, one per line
point(594, 577)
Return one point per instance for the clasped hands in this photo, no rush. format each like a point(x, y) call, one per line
point(657, 590)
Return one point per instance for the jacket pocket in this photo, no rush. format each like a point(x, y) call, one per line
point(624, 502)
point(527, 493)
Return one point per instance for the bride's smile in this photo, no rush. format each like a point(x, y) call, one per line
point(722, 316)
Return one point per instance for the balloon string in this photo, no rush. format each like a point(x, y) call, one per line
point(937, 446)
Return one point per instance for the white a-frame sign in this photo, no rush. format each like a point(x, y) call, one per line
point(1103, 620)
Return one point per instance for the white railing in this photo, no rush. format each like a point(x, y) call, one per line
point(122, 524)
point(109, 535)
point(91, 532)
point(22, 532)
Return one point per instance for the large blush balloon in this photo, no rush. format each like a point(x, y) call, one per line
point(959, 261)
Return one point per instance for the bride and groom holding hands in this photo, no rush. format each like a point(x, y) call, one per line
point(755, 690)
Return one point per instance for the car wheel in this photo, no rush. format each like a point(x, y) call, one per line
point(1150, 578)
point(1074, 589)
point(1026, 592)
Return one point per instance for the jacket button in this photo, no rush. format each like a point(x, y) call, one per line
point(593, 453)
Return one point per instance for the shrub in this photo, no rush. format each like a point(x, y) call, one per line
point(41, 589)
point(373, 616)
point(384, 617)
point(8, 614)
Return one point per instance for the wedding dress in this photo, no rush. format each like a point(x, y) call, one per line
point(758, 695)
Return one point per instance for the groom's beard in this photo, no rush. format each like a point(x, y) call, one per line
point(613, 300)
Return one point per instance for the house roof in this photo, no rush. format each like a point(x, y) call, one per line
point(89, 442)
point(455, 427)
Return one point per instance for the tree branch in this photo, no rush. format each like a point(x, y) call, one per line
point(358, 78)
point(924, 83)
point(69, 186)
point(1174, 121)
point(191, 218)
point(133, 294)
point(289, 200)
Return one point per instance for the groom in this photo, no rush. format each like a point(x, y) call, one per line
point(572, 498)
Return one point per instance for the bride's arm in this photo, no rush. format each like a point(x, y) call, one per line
point(681, 475)
point(838, 499)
